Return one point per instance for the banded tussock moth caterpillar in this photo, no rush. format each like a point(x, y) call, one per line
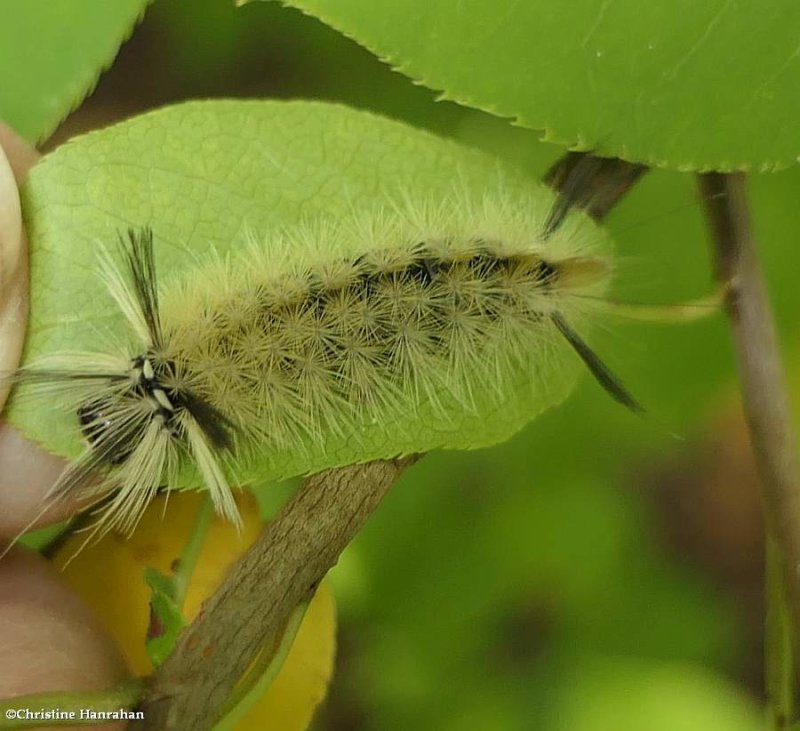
point(410, 316)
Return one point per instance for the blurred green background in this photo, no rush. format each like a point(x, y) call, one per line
point(599, 571)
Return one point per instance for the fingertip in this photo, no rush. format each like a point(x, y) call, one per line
point(27, 475)
point(56, 642)
point(13, 264)
point(27, 471)
point(21, 156)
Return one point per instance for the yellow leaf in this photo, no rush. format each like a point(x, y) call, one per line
point(109, 575)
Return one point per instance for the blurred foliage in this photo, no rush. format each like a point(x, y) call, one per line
point(521, 586)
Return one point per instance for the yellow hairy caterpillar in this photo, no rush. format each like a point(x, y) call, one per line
point(408, 316)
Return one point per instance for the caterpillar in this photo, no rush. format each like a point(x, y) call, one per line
point(422, 314)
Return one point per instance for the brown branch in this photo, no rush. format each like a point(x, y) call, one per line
point(282, 569)
point(764, 394)
point(299, 546)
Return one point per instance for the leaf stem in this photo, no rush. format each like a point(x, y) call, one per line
point(184, 569)
point(764, 393)
point(779, 661)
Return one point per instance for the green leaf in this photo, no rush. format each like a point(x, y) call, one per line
point(51, 54)
point(203, 175)
point(166, 618)
point(675, 83)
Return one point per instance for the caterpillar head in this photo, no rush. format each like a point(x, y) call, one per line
point(111, 421)
point(136, 428)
